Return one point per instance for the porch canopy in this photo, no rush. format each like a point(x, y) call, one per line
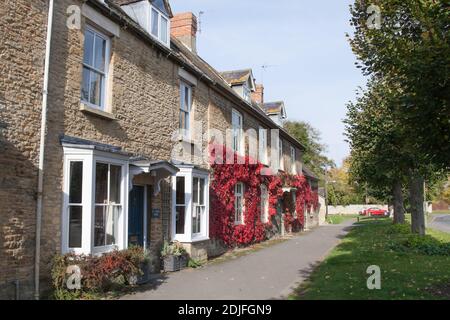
point(159, 169)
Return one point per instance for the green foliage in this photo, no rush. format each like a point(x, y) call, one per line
point(405, 275)
point(194, 264)
point(411, 53)
point(314, 156)
point(173, 249)
point(426, 245)
point(99, 274)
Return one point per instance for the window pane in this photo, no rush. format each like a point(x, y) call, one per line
point(182, 120)
point(180, 191)
point(101, 183)
point(75, 222)
point(76, 182)
point(164, 29)
point(115, 181)
point(99, 53)
point(96, 84)
point(202, 192)
point(187, 98)
point(99, 226)
point(111, 218)
point(155, 22)
point(85, 84)
point(88, 47)
point(180, 218)
point(195, 191)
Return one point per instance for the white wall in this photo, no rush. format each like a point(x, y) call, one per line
point(353, 209)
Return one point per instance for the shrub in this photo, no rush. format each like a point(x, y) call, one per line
point(173, 249)
point(99, 274)
point(399, 229)
point(426, 245)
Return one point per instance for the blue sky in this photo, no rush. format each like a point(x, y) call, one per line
point(304, 41)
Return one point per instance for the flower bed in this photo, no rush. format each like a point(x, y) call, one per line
point(81, 276)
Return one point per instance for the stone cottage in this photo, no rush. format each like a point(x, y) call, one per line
point(106, 115)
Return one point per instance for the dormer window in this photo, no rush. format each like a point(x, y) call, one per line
point(153, 16)
point(247, 93)
point(159, 26)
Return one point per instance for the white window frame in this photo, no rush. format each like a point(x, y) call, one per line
point(90, 157)
point(104, 105)
point(263, 155)
point(293, 161)
point(294, 200)
point(239, 220)
point(247, 93)
point(280, 155)
point(185, 132)
point(189, 173)
point(264, 204)
point(160, 16)
point(197, 206)
point(237, 132)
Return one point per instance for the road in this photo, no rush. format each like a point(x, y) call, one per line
point(270, 273)
point(441, 222)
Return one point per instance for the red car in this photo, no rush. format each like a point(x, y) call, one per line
point(375, 212)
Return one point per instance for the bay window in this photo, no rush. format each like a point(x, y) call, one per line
point(190, 189)
point(199, 208)
point(75, 206)
point(239, 203)
point(180, 204)
point(94, 189)
point(108, 206)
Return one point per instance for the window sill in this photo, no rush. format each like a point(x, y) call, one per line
point(96, 112)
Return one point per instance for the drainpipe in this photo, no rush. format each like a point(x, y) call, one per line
point(37, 257)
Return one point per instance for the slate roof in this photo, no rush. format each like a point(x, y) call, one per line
point(189, 61)
point(308, 173)
point(237, 77)
point(273, 107)
point(162, 5)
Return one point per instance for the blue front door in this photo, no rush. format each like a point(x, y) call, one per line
point(136, 217)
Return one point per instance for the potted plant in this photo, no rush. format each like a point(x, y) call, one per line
point(174, 257)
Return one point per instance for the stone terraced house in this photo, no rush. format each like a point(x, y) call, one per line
point(89, 122)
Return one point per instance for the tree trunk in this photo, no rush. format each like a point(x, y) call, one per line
point(399, 211)
point(416, 201)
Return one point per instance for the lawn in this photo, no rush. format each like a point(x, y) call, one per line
point(441, 212)
point(404, 275)
point(339, 218)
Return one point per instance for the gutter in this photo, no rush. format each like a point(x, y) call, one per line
point(37, 257)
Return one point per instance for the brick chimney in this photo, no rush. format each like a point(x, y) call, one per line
point(258, 95)
point(184, 28)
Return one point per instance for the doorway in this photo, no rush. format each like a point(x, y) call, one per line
point(136, 216)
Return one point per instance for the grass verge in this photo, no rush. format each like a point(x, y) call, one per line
point(404, 274)
point(339, 218)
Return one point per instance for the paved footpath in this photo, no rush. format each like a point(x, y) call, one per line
point(270, 273)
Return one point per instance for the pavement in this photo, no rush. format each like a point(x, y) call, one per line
point(271, 273)
point(440, 222)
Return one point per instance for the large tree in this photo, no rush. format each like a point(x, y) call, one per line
point(409, 49)
point(314, 156)
point(378, 159)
